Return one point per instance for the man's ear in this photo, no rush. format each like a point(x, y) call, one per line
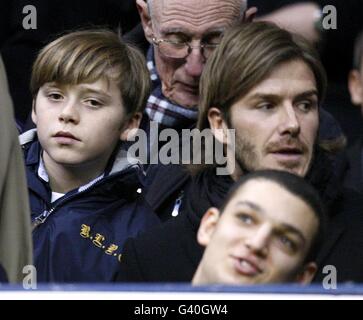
point(307, 274)
point(131, 126)
point(207, 226)
point(143, 10)
point(355, 87)
point(34, 115)
point(218, 125)
point(250, 14)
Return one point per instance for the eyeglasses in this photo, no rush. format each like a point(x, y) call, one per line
point(180, 50)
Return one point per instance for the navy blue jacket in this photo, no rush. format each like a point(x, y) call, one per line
point(82, 237)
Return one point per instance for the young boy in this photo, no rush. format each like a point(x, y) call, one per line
point(89, 90)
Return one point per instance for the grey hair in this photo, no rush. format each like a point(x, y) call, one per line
point(242, 11)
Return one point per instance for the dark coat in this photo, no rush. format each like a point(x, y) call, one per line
point(170, 252)
point(80, 237)
point(3, 277)
point(354, 175)
point(344, 244)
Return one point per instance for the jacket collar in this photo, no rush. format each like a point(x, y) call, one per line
point(118, 163)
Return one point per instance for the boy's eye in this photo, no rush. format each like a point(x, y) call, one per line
point(265, 106)
point(55, 96)
point(94, 103)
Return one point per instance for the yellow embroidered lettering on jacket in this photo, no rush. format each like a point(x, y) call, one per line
point(111, 249)
point(99, 238)
point(99, 241)
point(85, 230)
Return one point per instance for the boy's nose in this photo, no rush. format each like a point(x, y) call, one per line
point(69, 113)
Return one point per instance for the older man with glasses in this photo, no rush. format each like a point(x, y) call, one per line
point(182, 37)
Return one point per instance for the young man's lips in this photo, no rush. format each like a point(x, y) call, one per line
point(246, 267)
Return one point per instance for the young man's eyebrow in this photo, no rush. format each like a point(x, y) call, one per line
point(283, 226)
point(252, 205)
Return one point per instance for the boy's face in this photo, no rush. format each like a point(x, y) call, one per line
point(355, 84)
point(263, 236)
point(79, 124)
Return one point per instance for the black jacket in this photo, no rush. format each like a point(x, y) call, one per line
point(354, 175)
point(3, 277)
point(344, 243)
point(170, 252)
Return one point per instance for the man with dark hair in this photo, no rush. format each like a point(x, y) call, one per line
point(269, 230)
point(267, 85)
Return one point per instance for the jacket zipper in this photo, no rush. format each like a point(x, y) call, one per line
point(40, 219)
point(177, 204)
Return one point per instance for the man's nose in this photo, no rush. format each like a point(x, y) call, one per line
point(195, 62)
point(289, 122)
point(259, 239)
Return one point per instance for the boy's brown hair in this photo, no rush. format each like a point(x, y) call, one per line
point(89, 55)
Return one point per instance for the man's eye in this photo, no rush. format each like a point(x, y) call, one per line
point(265, 106)
point(306, 106)
point(213, 41)
point(176, 39)
point(287, 242)
point(246, 218)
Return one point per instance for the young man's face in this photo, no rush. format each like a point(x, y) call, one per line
point(79, 124)
point(277, 122)
point(188, 21)
point(263, 236)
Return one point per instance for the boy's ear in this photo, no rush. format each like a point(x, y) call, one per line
point(34, 115)
point(355, 86)
point(307, 274)
point(131, 126)
point(207, 226)
point(145, 17)
point(218, 125)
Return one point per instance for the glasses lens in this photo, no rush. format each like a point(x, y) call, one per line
point(208, 50)
point(173, 50)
